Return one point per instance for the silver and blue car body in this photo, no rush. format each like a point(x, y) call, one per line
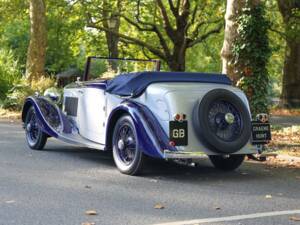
point(90, 110)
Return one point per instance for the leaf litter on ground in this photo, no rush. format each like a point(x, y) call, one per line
point(295, 218)
point(91, 212)
point(268, 196)
point(159, 206)
point(88, 223)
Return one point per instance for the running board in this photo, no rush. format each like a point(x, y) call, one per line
point(76, 139)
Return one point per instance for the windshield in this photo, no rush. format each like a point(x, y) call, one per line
point(105, 68)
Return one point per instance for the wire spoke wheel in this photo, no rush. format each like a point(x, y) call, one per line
point(35, 137)
point(32, 129)
point(126, 145)
point(222, 121)
point(127, 156)
point(225, 120)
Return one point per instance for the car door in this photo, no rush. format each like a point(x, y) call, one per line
point(92, 114)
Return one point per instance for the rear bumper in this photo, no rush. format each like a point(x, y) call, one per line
point(247, 150)
point(183, 155)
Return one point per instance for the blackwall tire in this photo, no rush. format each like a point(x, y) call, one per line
point(204, 121)
point(227, 163)
point(126, 153)
point(35, 137)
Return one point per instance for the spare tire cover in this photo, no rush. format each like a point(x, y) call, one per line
point(222, 121)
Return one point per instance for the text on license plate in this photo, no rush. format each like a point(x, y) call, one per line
point(261, 132)
point(178, 132)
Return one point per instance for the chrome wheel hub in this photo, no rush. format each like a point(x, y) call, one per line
point(28, 127)
point(121, 145)
point(229, 117)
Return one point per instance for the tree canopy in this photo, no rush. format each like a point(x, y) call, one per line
point(185, 34)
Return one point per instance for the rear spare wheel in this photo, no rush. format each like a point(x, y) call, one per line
point(222, 121)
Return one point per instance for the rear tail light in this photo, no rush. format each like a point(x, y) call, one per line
point(172, 143)
point(179, 117)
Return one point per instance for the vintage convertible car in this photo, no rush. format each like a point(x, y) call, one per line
point(167, 115)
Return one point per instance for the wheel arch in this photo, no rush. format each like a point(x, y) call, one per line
point(25, 109)
point(113, 118)
point(151, 136)
point(33, 102)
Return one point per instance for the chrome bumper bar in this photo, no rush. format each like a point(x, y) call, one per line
point(183, 155)
point(201, 155)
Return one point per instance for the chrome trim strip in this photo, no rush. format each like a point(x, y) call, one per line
point(183, 155)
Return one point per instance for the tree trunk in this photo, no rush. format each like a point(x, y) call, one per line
point(112, 41)
point(112, 23)
point(177, 61)
point(290, 96)
point(36, 53)
point(177, 65)
point(233, 11)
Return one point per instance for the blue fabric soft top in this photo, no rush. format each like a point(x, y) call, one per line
point(134, 84)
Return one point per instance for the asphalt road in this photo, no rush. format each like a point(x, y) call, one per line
point(56, 186)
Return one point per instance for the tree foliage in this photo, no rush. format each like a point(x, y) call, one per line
point(65, 33)
point(251, 54)
point(172, 26)
point(9, 72)
point(185, 34)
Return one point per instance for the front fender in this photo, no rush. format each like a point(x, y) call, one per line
point(50, 118)
point(151, 137)
point(39, 108)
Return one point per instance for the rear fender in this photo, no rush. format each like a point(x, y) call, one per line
point(151, 137)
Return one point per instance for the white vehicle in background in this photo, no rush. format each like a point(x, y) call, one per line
point(145, 112)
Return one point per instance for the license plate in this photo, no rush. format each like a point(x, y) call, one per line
point(178, 132)
point(261, 132)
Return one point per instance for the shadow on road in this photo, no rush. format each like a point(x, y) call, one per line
point(85, 154)
point(168, 170)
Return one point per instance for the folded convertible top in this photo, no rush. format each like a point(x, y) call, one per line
point(134, 84)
